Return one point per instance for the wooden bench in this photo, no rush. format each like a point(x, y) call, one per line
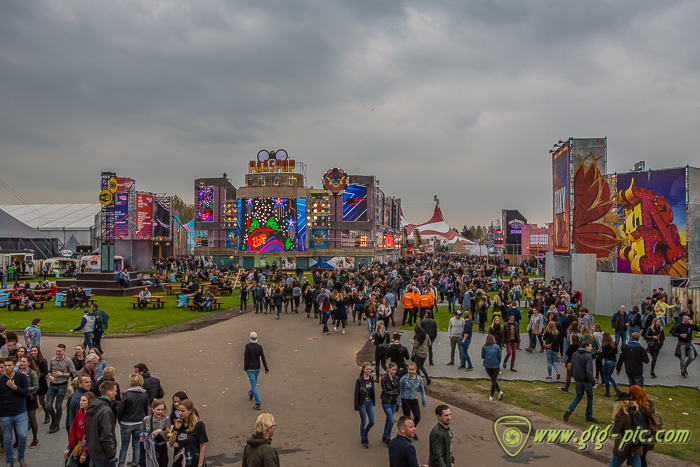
point(216, 305)
point(155, 304)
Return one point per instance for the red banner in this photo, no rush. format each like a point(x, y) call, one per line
point(144, 215)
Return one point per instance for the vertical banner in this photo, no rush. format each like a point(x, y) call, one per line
point(121, 215)
point(205, 204)
point(144, 216)
point(560, 170)
point(161, 217)
point(653, 206)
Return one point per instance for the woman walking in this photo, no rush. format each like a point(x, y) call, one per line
point(244, 297)
point(482, 310)
point(535, 327)
point(390, 392)
point(43, 366)
point(552, 341)
point(491, 355)
point(381, 342)
point(278, 299)
point(409, 385)
point(384, 312)
point(326, 314)
point(29, 368)
point(609, 354)
point(130, 414)
point(511, 341)
point(421, 344)
point(364, 402)
point(341, 312)
point(655, 337)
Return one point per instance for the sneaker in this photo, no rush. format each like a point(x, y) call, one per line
point(335, 329)
point(461, 367)
point(47, 419)
point(450, 363)
point(250, 396)
point(500, 372)
point(35, 444)
point(491, 398)
point(431, 364)
point(277, 317)
point(364, 444)
point(256, 406)
point(528, 350)
point(343, 331)
point(504, 365)
point(53, 429)
point(383, 439)
point(591, 419)
point(558, 376)
point(500, 395)
point(567, 414)
point(513, 369)
point(548, 377)
point(653, 376)
point(683, 375)
point(564, 390)
point(470, 368)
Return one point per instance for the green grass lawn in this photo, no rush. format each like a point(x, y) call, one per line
point(123, 319)
point(546, 398)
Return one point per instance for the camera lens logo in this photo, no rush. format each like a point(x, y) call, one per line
point(512, 433)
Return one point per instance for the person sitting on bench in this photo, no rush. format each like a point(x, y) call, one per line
point(197, 300)
point(228, 286)
point(29, 300)
point(208, 300)
point(144, 298)
point(82, 298)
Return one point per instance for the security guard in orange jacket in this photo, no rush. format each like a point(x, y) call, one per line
point(407, 300)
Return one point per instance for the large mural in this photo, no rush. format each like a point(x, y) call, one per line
point(653, 231)
point(560, 169)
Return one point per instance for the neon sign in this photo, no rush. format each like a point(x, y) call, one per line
point(271, 161)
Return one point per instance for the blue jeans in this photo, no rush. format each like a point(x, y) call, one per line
point(608, 369)
point(57, 393)
point(107, 463)
point(636, 380)
point(580, 388)
point(325, 321)
point(206, 305)
point(127, 432)
point(620, 335)
point(631, 330)
point(253, 377)
point(551, 361)
point(9, 424)
point(389, 410)
point(617, 461)
point(87, 339)
point(366, 412)
point(451, 305)
point(370, 325)
point(464, 349)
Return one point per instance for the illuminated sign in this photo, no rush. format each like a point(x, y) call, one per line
point(335, 181)
point(271, 161)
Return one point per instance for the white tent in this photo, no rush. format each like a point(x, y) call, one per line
point(436, 229)
point(57, 220)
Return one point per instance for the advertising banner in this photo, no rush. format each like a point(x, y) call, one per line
point(319, 239)
point(121, 215)
point(144, 216)
point(560, 170)
point(513, 223)
point(125, 184)
point(272, 225)
point(205, 204)
point(288, 262)
point(355, 203)
point(332, 262)
point(653, 206)
point(161, 217)
point(594, 223)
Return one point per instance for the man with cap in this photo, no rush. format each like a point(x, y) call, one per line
point(252, 355)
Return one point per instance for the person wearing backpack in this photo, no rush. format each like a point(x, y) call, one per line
point(634, 321)
point(101, 325)
point(626, 417)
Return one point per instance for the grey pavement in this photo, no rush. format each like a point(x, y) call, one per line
point(533, 366)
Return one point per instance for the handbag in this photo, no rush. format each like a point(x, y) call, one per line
point(548, 346)
point(78, 449)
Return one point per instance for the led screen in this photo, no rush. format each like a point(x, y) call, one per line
point(272, 224)
point(205, 204)
point(355, 203)
point(121, 215)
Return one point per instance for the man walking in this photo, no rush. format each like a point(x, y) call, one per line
point(619, 325)
point(582, 371)
point(100, 426)
point(61, 368)
point(402, 453)
point(14, 388)
point(634, 356)
point(454, 330)
point(252, 355)
point(101, 325)
point(258, 451)
point(684, 349)
point(32, 335)
point(440, 453)
point(430, 327)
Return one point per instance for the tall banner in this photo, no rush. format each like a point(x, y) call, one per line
point(560, 170)
point(653, 206)
point(594, 223)
point(161, 217)
point(144, 216)
point(121, 215)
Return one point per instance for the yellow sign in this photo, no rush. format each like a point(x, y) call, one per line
point(112, 185)
point(106, 197)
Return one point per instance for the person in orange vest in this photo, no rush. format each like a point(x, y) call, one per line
point(431, 296)
point(424, 304)
point(416, 306)
point(407, 300)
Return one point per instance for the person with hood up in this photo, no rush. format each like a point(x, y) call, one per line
point(87, 325)
point(258, 451)
point(131, 412)
point(634, 356)
point(100, 427)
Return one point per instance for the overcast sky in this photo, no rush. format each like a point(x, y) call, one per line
point(463, 99)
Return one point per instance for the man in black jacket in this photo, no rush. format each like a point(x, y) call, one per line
point(634, 356)
point(684, 349)
point(582, 371)
point(440, 454)
point(398, 354)
point(14, 388)
point(252, 354)
point(100, 426)
point(150, 383)
point(430, 327)
point(402, 453)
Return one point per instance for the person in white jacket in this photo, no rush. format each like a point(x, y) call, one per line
point(535, 328)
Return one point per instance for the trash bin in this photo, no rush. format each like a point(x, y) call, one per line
point(58, 274)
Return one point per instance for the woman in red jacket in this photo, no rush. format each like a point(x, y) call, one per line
point(77, 432)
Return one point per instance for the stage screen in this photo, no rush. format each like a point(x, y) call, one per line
point(272, 224)
point(653, 209)
point(205, 204)
point(560, 169)
point(144, 216)
point(161, 217)
point(355, 203)
point(121, 215)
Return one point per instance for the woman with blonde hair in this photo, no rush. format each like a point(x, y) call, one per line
point(552, 341)
point(158, 425)
point(130, 414)
point(364, 402)
point(381, 342)
point(189, 437)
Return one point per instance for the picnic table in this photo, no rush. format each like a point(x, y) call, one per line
point(155, 302)
point(18, 301)
point(216, 302)
point(173, 289)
